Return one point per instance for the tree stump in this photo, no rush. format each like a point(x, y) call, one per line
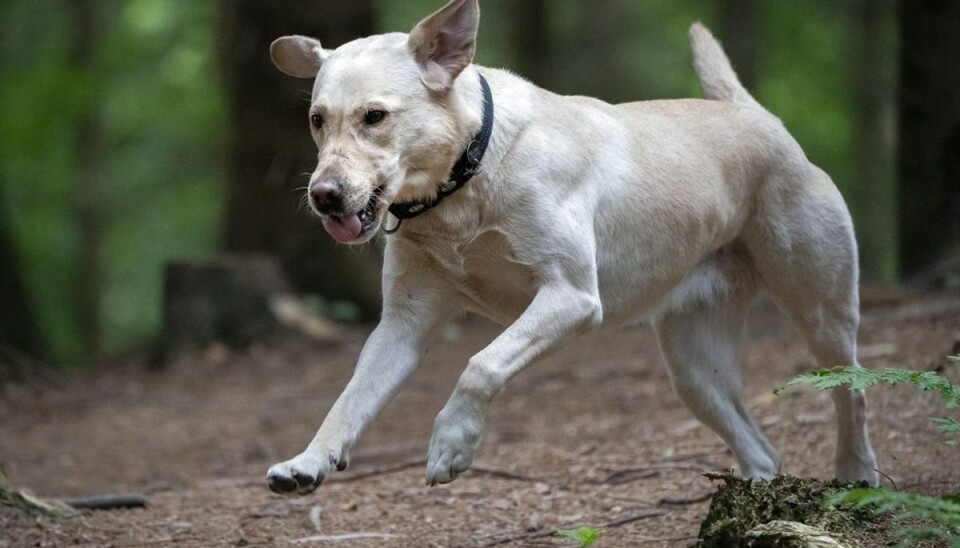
point(224, 299)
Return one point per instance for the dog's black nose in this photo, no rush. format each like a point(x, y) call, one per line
point(326, 195)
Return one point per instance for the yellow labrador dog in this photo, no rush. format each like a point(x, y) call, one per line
point(557, 216)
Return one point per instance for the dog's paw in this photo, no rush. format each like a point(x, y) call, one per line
point(300, 475)
point(452, 445)
point(859, 471)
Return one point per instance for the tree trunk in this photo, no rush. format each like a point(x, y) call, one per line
point(873, 198)
point(929, 192)
point(738, 27)
point(600, 72)
point(89, 150)
point(226, 299)
point(530, 40)
point(18, 329)
point(271, 149)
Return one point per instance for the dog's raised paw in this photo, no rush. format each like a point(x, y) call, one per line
point(301, 475)
point(445, 467)
point(452, 446)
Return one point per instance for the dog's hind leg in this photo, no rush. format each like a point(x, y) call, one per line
point(805, 252)
point(700, 334)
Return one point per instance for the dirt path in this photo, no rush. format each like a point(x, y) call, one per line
point(592, 436)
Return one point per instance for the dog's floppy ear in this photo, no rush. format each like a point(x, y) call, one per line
point(298, 56)
point(444, 43)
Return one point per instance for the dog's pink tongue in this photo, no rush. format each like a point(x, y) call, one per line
point(343, 229)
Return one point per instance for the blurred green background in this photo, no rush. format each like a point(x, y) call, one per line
point(135, 132)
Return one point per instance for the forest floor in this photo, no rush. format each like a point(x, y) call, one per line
point(591, 436)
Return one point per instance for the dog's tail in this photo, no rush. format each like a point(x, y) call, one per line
point(717, 78)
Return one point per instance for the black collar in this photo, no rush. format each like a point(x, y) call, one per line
point(464, 170)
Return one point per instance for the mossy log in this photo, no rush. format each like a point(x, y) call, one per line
point(791, 534)
point(784, 512)
point(11, 496)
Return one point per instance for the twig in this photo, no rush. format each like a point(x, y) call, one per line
point(618, 477)
point(168, 541)
point(913, 486)
point(882, 473)
point(724, 475)
point(359, 475)
point(503, 474)
point(345, 536)
point(551, 532)
point(681, 502)
point(631, 519)
point(107, 502)
point(694, 456)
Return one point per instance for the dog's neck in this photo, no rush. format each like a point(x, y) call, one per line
point(466, 166)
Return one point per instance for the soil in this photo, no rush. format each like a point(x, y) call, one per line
point(590, 436)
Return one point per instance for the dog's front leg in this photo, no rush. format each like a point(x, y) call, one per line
point(415, 304)
point(559, 310)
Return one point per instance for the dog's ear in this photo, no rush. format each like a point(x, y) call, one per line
point(298, 56)
point(444, 43)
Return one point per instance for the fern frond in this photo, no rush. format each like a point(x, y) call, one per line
point(860, 378)
point(945, 511)
point(948, 425)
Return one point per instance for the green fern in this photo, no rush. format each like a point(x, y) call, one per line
point(860, 378)
point(944, 511)
point(948, 425)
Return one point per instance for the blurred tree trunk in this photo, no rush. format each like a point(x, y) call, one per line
point(271, 149)
point(873, 198)
point(18, 328)
point(929, 191)
point(738, 27)
point(89, 148)
point(600, 36)
point(530, 40)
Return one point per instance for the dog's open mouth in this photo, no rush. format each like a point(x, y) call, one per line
point(347, 228)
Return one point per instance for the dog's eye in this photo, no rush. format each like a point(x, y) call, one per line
point(317, 121)
point(374, 117)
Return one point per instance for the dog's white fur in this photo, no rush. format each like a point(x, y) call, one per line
point(585, 215)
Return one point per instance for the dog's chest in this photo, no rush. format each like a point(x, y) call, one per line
point(487, 273)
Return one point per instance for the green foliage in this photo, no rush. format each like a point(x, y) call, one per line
point(944, 512)
point(584, 535)
point(154, 89)
point(861, 378)
point(905, 507)
point(741, 505)
point(948, 425)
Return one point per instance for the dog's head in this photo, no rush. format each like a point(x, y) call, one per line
point(382, 116)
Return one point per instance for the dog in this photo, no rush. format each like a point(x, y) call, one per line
point(557, 216)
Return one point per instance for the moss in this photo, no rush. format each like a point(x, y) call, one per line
point(741, 505)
